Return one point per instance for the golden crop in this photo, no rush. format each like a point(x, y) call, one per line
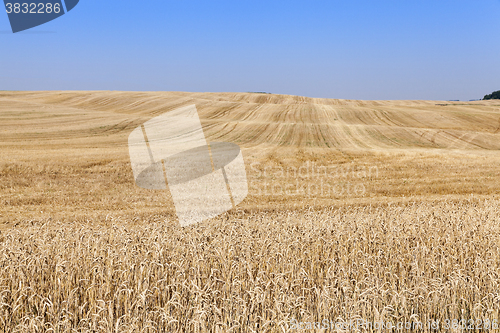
point(82, 249)
point(254, 272)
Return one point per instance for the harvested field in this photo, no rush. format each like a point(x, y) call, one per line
point(373, 210)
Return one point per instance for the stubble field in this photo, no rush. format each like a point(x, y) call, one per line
point(381, 211)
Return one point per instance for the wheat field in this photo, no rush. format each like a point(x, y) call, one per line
point(381, 211)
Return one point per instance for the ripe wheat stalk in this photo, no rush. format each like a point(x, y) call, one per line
point(254, 272)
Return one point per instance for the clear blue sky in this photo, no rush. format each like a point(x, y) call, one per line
point(354, 49)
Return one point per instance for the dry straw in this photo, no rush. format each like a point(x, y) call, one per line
point(254, 272)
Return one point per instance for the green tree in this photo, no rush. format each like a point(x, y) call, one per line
point(493, 95)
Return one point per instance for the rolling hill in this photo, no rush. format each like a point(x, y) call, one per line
point(63, 154)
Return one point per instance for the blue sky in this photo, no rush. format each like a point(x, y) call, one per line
point(353, 49)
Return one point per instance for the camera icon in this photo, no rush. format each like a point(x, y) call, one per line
point(170, 151)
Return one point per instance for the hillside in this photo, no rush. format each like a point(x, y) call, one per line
point(64, 154)
point(381, 210)
point(255, 119)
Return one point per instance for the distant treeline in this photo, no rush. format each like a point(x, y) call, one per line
point(493, 95)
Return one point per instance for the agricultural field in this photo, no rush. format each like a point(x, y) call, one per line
point(381, 211)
